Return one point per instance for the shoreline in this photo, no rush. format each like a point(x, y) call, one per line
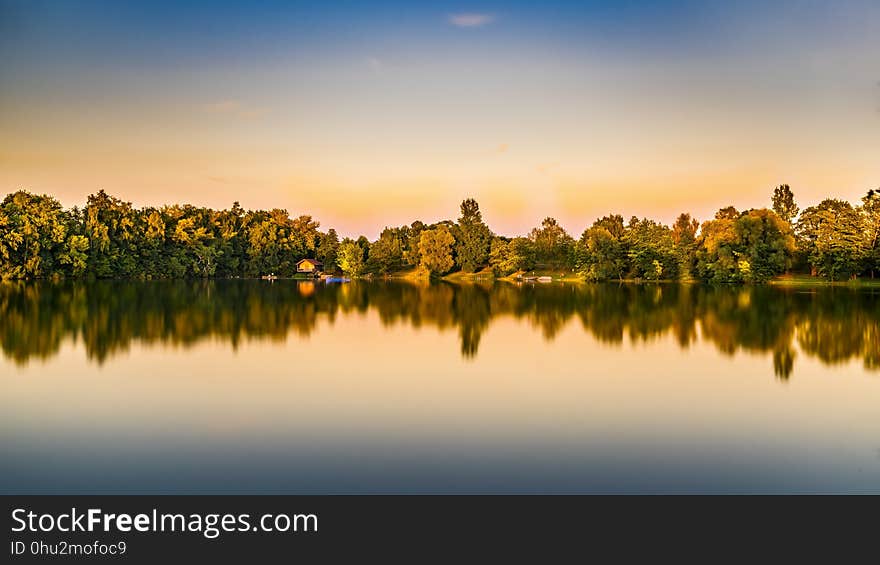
point(790, 281)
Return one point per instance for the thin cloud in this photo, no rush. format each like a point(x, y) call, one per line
point(471, 20)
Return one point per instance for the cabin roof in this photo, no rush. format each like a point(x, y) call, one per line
point(312, 261)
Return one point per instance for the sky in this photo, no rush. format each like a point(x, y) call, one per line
point(367, 114)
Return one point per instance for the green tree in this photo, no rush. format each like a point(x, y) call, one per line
point(499, 256)
point(112, 227)
point(435, 250)
point(650, 250)
point(351, 257)
point(75, 254)
point(511, 255)
point(192, 241)
point(110, 238)
point(600, 255)
point(33, 232)
point(717, 254)
point(328, 250)
point(364, 244)
point(552, 245)
point(751, 247)
point(153, 250)
point(684, 238)
point(727, 213)
point(832, 235)
point(522, 254)
point(411, 256)
point(784, 204)
point(765, 242)
point(870, 210)
point(386, 253)
point(302, 238)
point(474, 237)
point(228, 228)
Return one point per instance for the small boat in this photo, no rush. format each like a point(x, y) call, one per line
point(528, 279)
point(545, 279)
point(337, 280)
point(268, 277)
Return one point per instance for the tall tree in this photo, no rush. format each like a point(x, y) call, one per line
point(228, 228)
point(411, 255)
point(499, 256)
point(871, 213)
point(784, 204)
point(328, 250)
point(684, 237)
point(474, 237)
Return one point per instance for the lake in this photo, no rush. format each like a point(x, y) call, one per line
point(248, 386)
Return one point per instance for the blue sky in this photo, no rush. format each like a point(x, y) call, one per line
point(573, 109)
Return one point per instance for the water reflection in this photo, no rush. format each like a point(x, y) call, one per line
point(834, 325)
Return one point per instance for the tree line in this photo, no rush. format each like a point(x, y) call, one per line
point(110, 238)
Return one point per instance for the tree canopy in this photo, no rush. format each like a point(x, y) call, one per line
point(472, 247)
point(110, 238)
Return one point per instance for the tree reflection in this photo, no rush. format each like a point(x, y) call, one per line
point(833, 325)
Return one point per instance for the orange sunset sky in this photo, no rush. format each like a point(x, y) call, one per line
point(372, 114)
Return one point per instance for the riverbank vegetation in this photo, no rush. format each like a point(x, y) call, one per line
point(110, 238)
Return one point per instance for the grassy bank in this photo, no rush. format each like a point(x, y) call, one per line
point(486, 275)
point(808, 281)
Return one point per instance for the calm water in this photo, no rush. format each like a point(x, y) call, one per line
point(286, 387)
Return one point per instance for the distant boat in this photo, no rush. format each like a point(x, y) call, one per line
point(545, 279)
point(268, 277)
point(337, 279)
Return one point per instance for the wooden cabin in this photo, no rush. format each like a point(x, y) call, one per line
point(311, 266)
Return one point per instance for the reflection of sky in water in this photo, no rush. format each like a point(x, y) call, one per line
point(361, 406)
